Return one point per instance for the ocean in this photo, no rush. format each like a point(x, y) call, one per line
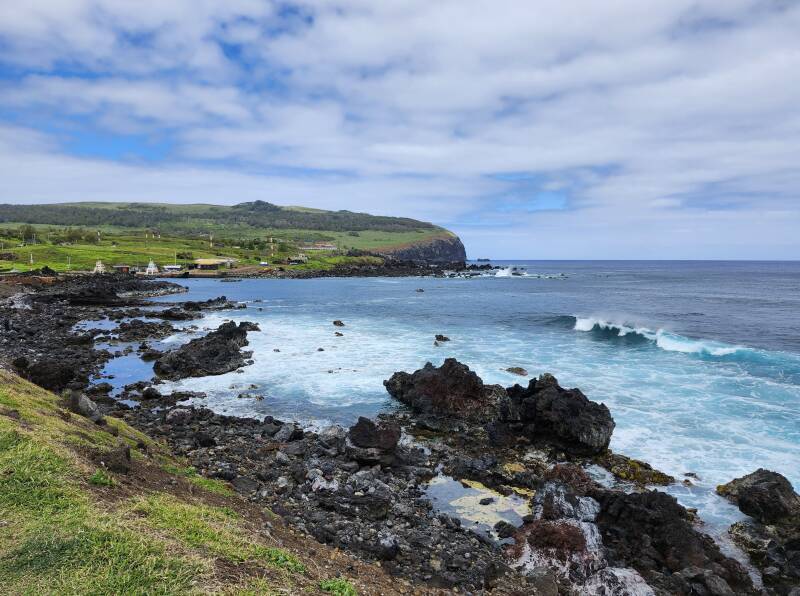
point(699, 362)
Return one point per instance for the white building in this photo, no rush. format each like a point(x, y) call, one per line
point(151, 268)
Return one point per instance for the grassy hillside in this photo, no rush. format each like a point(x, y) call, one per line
point(74, 236)
point(69, 525)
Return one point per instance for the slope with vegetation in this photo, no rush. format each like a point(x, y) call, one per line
point(71, 522)
point(73, 236)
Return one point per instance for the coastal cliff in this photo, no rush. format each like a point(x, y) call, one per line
point(438, 250)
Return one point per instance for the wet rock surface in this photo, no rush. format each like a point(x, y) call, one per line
point(38, 338)
point(217, 353)
point(767, 497)
point(652, 533)
point(772, 537)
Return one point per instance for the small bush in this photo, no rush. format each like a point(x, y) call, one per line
point(338, 586)
point(101, 478)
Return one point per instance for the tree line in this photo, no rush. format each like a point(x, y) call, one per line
point(258, 214)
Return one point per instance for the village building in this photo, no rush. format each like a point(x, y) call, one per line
point(300, 259)
point(99, 267)
point(152, 269)
point(214, 264)
point(122, 268)
point(320, 246)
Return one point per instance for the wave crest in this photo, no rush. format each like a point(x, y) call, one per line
point(670, 342)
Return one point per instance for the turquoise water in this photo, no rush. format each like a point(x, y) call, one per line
point(699, 363)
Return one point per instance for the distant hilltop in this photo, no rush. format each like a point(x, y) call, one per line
point(73, 235)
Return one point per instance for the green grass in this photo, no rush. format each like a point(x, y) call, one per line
point(127, 246)
point(67, 527)
point(55, 541)
point(338, 586)
point(219, 530)
point(101, 478)
point(212, 485)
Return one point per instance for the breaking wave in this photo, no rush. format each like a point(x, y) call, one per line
point(670, 342)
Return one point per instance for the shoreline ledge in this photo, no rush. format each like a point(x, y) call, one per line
point(366, 489)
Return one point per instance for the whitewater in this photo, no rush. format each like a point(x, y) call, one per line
point(698, 363)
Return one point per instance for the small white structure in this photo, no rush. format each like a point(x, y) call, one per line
point(172, 268)
point(99, 267)
point(151, 268)
point(264, 263)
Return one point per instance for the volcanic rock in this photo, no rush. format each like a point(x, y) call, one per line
point(766, 496)
point(652, 533)
point(365, 433)
point(564, 417)
point(217, 353)
point(451, 391)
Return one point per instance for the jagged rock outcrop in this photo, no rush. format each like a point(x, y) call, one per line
point(542, 412)
point(767, 497)
point(441, 250)
point(772, 537)
point(449, 391)
point(545, 412)
point(217, 353)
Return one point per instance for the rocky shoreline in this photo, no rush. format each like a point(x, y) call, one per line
point(367, 488)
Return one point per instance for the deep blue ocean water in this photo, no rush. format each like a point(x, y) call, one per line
point(699, 362)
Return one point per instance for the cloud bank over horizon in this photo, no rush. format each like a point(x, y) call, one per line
point(533, 130)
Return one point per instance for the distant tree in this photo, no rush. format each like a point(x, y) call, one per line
point(26, 232)
point(74, 235)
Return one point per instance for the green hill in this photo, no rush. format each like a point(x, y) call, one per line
point(75, 235)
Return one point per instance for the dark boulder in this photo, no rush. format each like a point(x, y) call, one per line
point(176, 313)
point(82, 405)
point(772, 537)
point(365, 433)
point(217, 353)
point(204, 439)
point(451, 391)
point(218, 303)
point(151, 393)
point(652, 533)
point(554, 415)
point(369, 443)
point(766, 496)
point(49, 373)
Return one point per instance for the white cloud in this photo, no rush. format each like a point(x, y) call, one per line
point(680, 116)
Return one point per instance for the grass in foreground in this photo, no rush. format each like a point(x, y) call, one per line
point(69, 527)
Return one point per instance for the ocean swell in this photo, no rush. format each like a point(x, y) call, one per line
point(670, 342)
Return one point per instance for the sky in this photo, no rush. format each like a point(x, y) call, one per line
point(545, 130)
